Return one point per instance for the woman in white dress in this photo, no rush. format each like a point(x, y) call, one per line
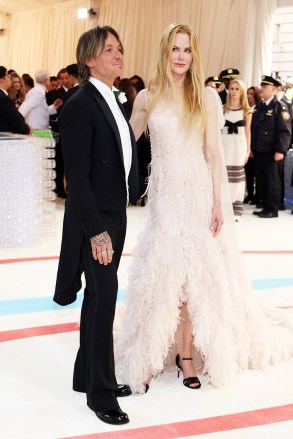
point(236, 141)
point(187, 297)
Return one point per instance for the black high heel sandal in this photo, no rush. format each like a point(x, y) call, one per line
point(187, 381)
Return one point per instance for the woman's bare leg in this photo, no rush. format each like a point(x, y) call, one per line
point(187, 365)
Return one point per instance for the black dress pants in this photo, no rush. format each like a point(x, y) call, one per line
point(250, 174)
point(268, 180)
point(94, 370)
point(59, 169)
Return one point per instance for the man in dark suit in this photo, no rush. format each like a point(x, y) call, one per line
point(10, 119)
point(72, 71)
point(270, 140)
point(51, 96)
point(101, 170)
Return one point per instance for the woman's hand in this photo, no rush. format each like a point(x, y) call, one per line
point(216, 221)
point(247, 157)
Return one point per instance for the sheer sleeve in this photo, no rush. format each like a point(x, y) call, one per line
point(214, 106)
point(214, 151)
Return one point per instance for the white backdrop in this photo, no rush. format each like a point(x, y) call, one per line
point(232, 33)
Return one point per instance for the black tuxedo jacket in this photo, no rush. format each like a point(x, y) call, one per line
point(58, 93)
point(10, 118)
point(95, 175)
point(71, 92)
point(223, 95)
point(51, 96)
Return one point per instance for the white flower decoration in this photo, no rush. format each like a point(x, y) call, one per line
point(120, 95)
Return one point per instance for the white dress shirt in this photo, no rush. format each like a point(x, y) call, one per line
point(35, 109)
point(268, 101)
point(122, 125)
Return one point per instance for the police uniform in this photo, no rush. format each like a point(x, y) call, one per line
point(270, 133)
point(227, 74)
point(218, 81)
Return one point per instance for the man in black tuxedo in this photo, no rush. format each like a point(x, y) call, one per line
point(101, 170)
point(10, 119)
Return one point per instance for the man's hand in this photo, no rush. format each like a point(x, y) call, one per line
point(102, 248)
point(57, 103)
point(278, 156)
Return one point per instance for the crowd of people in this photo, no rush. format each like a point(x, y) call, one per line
point(256, 137)
point(40, 102)
point(252, 177)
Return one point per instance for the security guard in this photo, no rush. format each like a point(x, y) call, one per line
point(270, 140)
point(214, 82)
point(226, 76)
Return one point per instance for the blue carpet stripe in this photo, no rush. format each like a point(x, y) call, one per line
point(41, 304)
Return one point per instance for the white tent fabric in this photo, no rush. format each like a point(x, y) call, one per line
point(232, 33)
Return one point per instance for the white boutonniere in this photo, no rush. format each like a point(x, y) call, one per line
point(120, 95)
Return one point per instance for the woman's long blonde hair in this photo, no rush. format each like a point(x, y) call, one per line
point(193, 87)
point(243, 98)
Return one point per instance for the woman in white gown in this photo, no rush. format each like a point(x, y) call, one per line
point(187, 295)
point(236, 141)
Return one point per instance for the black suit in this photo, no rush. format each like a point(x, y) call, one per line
point(10, 118)
point(71, 92)
point(51, 96)
point(223, 95)
point(96, 202)
point(270, 133)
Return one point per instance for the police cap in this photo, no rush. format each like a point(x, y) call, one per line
point(215, 79)
point(269, 80)
point(229, 73)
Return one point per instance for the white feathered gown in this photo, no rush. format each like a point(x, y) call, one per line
point(178, 260)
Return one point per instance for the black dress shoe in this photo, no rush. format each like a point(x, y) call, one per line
point(115, 417)
point(257, 212)
point(123, 390)
point(268, 215)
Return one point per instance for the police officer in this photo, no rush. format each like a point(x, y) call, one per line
point(270, 140)
point(226, 76)
point(214, 82)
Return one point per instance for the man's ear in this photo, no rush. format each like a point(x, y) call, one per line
point(89, 63)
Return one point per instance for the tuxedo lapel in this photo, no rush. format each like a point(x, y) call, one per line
point(108, 114)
